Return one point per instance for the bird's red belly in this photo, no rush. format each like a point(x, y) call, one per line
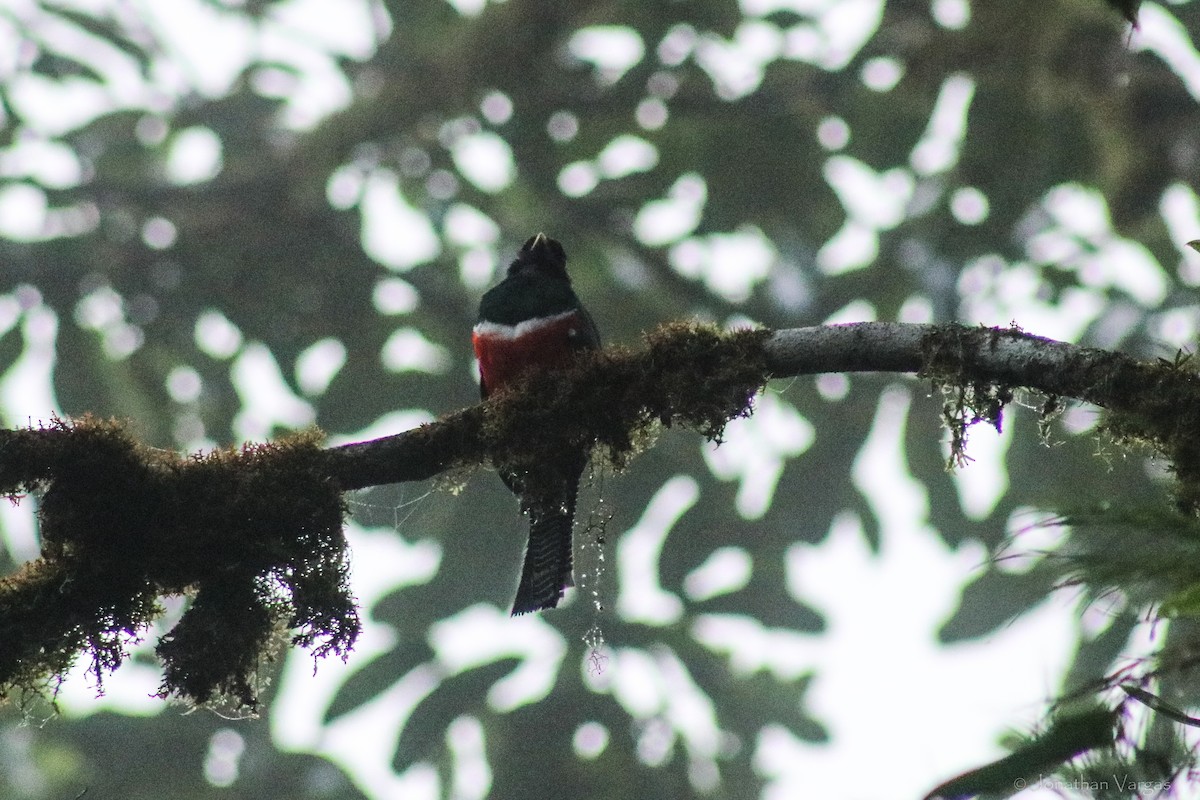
point(505, 352)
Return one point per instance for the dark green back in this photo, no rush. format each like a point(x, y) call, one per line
point(526, 296)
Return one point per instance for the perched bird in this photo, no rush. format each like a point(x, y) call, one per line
point(533, 320)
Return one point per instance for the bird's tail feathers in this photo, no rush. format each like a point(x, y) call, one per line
point(547, 569)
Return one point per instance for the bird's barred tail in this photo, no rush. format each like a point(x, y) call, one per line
point(547, 569)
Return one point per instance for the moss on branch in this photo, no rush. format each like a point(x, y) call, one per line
point(255, 534)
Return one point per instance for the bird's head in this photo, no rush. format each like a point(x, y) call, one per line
point(541, 256)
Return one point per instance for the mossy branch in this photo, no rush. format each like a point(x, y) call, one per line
point(697, 377)
point(255, 535)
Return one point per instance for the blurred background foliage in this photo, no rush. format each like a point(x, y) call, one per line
point(223, 220)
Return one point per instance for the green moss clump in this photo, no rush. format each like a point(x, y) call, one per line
point(689, 375)
point(255, 535)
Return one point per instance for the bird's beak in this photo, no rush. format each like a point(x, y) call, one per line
point(536, 243)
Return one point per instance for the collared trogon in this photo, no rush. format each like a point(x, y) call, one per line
point(533, 320)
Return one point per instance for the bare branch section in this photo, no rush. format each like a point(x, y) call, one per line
point(254, 536)
point(1156, 403)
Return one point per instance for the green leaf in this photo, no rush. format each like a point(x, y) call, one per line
point(1066, 738)
point(1184, 603)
